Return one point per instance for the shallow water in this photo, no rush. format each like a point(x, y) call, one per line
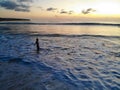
point(65, 62)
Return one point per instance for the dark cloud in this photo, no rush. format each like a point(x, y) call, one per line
point(25, 0)
point(87, 11)
point(23, 8)
point(8, 5)
point(51, 9)
point(16, 5)
point(66, 12)
point(63, 12)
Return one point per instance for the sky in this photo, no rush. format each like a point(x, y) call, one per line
point(62, 10)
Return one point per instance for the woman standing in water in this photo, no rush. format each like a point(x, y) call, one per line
point(37, 45)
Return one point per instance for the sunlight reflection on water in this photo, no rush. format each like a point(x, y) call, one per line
point(65, 29)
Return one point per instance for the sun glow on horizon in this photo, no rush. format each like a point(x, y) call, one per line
point(100, 7)
point(63, 9)
point(107, 8)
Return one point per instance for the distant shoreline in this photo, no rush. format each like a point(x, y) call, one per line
point(14, 19)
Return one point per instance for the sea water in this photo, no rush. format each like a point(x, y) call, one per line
point(72, 57)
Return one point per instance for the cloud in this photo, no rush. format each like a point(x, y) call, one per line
point(8, 4)
point(23, 8)
point(66, 12)
point(16, 5)
point(25, 0)
point(63, 11)
point(51, 9)
point(87, 11)
point(71, 12)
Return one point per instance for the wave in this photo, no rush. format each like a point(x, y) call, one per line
point(56, 35)
point(64, 35)
point(24, 73)
point(89, 23)
point(63, 63)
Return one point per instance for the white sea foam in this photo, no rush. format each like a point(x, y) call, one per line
point(65, 62)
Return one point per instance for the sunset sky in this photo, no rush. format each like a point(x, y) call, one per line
point(55, 10)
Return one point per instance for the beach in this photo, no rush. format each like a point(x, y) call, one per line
point(65, 62)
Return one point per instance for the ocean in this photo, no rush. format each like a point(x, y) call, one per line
point(73, 56)
point(106, 29)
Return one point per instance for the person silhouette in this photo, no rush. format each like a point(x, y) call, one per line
point(37, 45)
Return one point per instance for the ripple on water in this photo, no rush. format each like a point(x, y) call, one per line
point(15, 73)
point(59, 66)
